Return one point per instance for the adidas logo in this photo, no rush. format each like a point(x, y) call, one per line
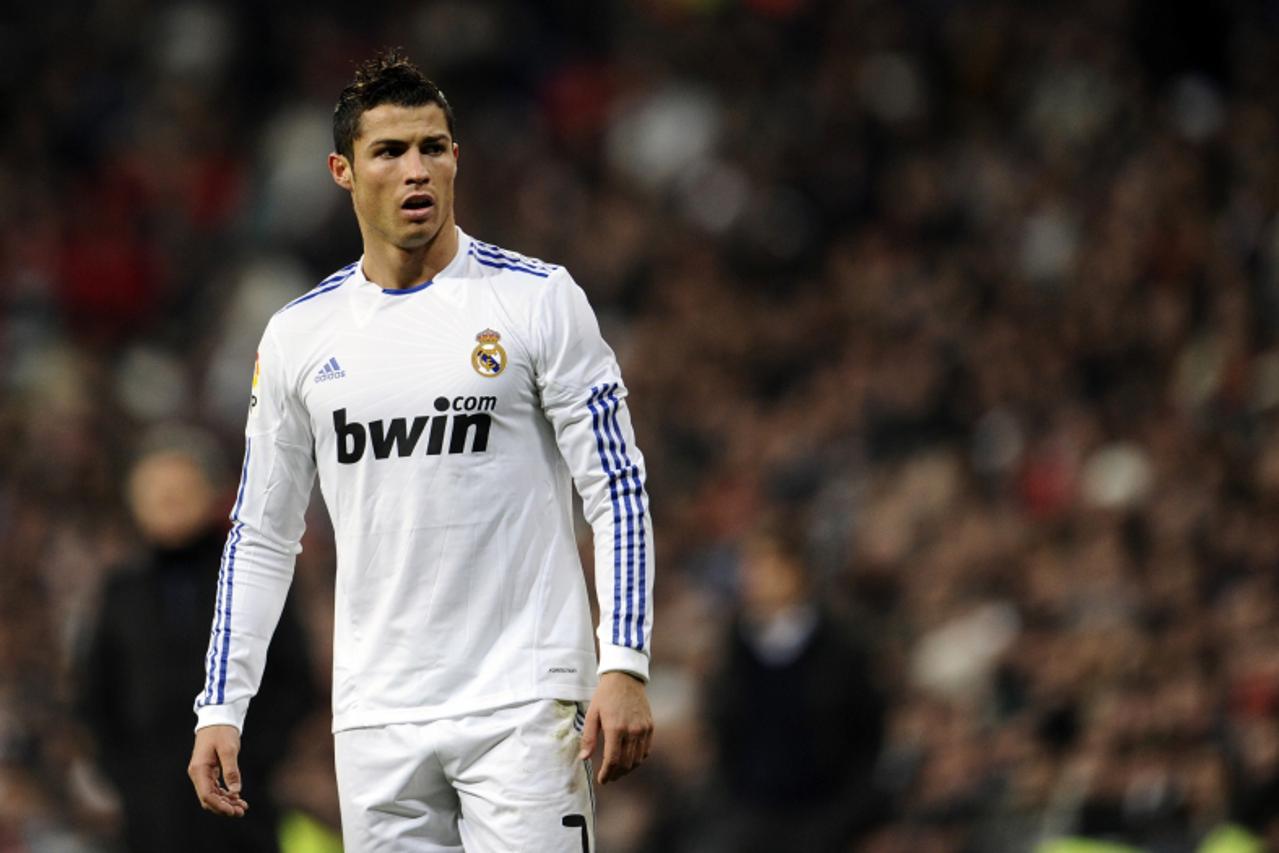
point(330, 370)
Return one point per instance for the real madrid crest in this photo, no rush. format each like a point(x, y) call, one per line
point(488, 359)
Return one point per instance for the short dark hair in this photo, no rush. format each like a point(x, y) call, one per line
point(390, 77)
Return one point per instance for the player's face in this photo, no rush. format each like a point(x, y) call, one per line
point(402, 178)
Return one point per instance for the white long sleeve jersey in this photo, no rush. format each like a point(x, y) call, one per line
point(448, 423)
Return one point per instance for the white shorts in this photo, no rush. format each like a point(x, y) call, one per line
point(501, 781)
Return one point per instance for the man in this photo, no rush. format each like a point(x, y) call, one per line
point(449, 393)
point(132, 671)
point(796, 715)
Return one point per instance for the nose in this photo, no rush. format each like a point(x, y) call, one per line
point(415, 164)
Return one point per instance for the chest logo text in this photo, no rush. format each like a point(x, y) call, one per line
point(461, 421)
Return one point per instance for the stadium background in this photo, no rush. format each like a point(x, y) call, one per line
point(981, 296)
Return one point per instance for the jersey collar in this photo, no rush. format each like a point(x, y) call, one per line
point(451, 269)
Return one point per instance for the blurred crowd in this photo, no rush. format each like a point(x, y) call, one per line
point(951, 337)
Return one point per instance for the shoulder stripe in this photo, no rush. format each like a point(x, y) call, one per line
point(330, 284)
point(499, 265)
point(342, 273)
point(500, 254)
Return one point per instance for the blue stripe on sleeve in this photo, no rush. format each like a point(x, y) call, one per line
point(637, 494)
point(596, 393)
point(211, 659)
point(232, 542)
point(619, 475)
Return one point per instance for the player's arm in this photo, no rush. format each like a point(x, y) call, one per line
point(585, 400)
point(267, 521)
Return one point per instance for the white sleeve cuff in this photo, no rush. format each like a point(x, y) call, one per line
point(229, 714)
point(621, 659)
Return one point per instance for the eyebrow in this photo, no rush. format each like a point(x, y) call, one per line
point(435, 137)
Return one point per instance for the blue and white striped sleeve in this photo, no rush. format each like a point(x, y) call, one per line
point(585, 399)
point(267, 521)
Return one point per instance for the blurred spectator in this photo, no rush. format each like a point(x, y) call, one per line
point(139, 673)
point(794, 711)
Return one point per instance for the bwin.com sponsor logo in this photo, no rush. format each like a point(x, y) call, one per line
point(461, 425)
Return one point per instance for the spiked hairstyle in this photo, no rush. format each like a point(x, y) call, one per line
point(390, 77)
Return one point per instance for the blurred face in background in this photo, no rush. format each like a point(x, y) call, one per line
point(772, 580)
point(171, 498)
point(401, 178)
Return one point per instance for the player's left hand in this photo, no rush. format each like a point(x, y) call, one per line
point(620, 708)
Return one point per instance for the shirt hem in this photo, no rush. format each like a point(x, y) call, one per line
point(347, 720)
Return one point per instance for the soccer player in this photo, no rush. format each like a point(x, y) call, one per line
point(450, 394)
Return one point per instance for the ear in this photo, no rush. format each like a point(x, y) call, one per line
point(457, 152)
point(341, 170)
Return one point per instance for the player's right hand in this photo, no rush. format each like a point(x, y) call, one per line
point(214, 771)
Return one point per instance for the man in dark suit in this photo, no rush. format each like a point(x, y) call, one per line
point(797, 717)
point(134, 673)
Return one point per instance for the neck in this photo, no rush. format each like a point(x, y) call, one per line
point(396, 268)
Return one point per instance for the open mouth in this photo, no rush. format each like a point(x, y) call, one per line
point(417, 208)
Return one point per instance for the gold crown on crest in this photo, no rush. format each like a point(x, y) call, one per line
point(488, 336)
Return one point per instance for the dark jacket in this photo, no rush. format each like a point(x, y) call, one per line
point(138, 676)
point(797, 742)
